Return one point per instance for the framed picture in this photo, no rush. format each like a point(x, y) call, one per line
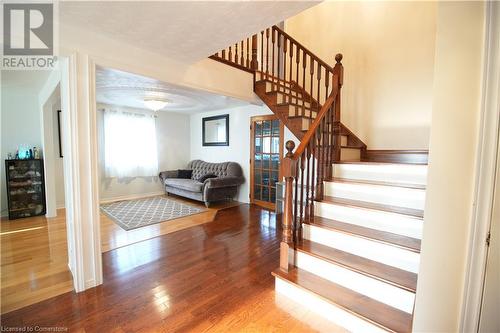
point(215, 130)
point(59, 132)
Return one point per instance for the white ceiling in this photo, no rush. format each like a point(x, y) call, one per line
point(125, 89)
point(186, 31)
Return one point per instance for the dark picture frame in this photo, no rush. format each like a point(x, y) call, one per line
point(59, 133)
point(205, 122)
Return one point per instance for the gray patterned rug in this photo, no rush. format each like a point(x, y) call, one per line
point(132, 214)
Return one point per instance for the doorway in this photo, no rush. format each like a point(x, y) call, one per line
point(266, 151)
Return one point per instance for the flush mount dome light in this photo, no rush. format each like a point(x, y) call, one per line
point(155, 104)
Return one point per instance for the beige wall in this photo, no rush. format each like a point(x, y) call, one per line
point(388, 50)
point(451, 175)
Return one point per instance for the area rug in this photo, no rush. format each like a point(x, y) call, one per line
point(133, 214)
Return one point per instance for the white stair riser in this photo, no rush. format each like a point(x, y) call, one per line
point(374, 219)
point(383, 292)
point(350, 154)
point(318, 305)
point(387, 195)
point(373, 250)
point(395, 173)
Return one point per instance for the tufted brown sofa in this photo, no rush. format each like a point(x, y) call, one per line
point(225, 186)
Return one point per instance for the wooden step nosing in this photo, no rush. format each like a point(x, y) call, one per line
point(381, 163)
point(376, 183)
point(334, 303)
point(381, 209)
point(354, 234)
point(357, 270)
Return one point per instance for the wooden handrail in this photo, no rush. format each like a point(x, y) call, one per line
point(313, 128)
point(313, 86)
point(305, 49)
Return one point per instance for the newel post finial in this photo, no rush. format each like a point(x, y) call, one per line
point(290, 146)
point(339, 68)
point(338, 58)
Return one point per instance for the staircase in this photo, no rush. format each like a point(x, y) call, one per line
point(351, 229)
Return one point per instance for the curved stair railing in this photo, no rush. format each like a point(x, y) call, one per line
point(313, 88)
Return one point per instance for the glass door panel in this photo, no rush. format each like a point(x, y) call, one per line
point(267, 150)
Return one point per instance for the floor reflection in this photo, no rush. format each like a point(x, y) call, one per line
point(34, 260)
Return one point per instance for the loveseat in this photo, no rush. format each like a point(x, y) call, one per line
point(226, 177)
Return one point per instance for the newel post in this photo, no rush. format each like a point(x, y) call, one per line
point(289, 170)
point(339, 70)
point(254, 64)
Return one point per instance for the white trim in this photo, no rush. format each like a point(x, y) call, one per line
point(486, 164)
point(131, 197)
point(82, 213)
point(94, 174)
point(71, 170)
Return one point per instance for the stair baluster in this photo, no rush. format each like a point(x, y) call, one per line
point(311, 99)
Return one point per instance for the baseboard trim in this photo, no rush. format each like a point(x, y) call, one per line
point(131, 197)
point(396, 156)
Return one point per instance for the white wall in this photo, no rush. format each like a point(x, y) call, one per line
point(58, 161)
point(388, 49)
point(239, 141)
point(451, 174)
point(173, 135)
point(20, 125)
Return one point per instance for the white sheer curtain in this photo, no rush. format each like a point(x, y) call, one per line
point(129, 145)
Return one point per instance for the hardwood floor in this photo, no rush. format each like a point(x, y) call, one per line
point(34, 261)
point(213, 277)
point(34, 257)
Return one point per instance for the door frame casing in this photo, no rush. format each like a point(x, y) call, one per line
point(253, 119)
point(486, 165)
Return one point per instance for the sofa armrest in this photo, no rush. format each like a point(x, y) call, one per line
point(168, 174)
point(224, 182)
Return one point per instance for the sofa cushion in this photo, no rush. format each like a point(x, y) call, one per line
point(185, 184)
point(205, 177)
point(186, 174)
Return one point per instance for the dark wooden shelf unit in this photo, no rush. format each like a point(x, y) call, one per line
point(25, 188)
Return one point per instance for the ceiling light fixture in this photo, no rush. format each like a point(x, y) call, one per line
point(155, 104)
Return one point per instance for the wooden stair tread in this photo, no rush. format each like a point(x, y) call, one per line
point(404, 242)
point(378, 313)
point(293, 88)
point(418, 213)
point(392, 275)
point(343, 146)
point(314, 108)
point(376, 163)
point(377, 183)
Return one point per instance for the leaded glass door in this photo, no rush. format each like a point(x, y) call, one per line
point(266, 152)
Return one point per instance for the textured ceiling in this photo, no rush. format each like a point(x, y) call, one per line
point(186, 31)
point(125, 89)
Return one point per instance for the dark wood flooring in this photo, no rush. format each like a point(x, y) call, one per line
point(212, 277)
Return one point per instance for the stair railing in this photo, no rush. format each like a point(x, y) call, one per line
point(274, 55)
point(306, 169)
point(306, 80)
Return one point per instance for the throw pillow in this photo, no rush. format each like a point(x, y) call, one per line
point(185, 174)
point(206, 176)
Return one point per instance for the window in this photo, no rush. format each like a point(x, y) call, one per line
point(129, 145)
